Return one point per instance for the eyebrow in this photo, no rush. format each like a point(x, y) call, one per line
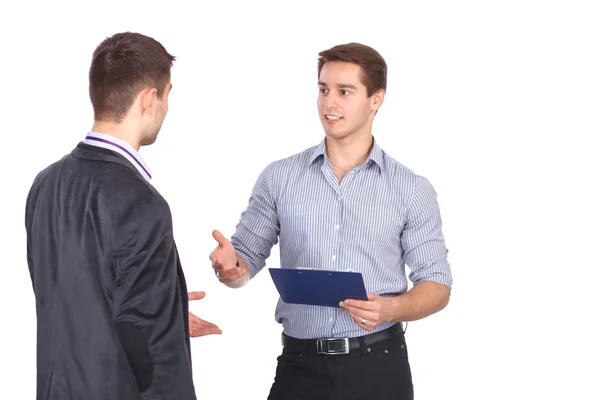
point(339, 85)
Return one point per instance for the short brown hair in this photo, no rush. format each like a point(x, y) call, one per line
point(372, 64)
point(122, 66)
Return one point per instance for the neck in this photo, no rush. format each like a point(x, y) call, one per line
point(349, 152)
point(121, 131)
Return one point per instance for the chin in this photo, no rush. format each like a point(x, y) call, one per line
point(333, 134)
point(148, 140)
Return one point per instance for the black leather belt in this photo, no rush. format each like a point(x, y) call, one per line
point(333, 346)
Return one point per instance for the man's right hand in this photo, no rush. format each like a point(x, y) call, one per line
point(224, 260)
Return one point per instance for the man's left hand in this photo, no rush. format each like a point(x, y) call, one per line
point(369, 314)
point(198, 326)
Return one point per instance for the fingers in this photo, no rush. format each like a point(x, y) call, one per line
point(197, 321)
point(370, 305)
point(203, 329)
point(218, 236)
point(196, 295)
point(361, 313)
point(366, 314)
point(223, 256)
point(216, 257)
point(207, 325)
point(230, 275)
point(200, 327)
point(368, 325)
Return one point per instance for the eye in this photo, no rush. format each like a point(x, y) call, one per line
point(344, 92)
point(323, 90)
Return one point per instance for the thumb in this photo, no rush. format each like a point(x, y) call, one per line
point(196, 295)
point(218, 236)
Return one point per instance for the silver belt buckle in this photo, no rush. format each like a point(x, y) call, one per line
point(333, 346)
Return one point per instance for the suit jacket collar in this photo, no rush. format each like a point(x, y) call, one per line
point(90, 152)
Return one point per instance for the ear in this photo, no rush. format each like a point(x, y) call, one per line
point(377, 99)
point(148, 102)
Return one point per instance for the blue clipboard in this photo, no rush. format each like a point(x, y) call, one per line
point(318, 287)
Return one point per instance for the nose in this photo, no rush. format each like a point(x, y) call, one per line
point(331, 101)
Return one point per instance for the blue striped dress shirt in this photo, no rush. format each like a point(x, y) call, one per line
point(381, 217)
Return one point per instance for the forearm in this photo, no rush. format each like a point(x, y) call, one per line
point(424, 299)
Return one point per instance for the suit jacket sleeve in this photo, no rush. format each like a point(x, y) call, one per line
point(148, 303)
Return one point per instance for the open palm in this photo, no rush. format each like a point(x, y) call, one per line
point(198, 326)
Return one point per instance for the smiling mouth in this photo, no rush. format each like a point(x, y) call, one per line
point(333, 117)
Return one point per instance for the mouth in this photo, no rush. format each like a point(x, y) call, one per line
point(330, 117)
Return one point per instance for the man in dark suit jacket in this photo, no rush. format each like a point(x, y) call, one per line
point(111, 297)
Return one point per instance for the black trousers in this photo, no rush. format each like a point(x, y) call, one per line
point(379, 371)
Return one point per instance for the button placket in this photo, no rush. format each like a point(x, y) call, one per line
point(336, 228)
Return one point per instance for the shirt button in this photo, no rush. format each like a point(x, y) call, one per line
point(336, 227)
point(333, 257)
point(330, 319)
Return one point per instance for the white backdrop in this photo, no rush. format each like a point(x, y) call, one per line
point(497, 103)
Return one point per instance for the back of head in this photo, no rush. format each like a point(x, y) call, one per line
point(372, 64)
point(122, 66)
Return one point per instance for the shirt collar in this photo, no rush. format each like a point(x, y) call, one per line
point(318, 151)
point(122, 147)
point(376, 154)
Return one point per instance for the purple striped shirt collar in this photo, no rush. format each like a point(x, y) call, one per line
point(122, 147)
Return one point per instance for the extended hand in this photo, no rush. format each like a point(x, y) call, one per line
point(369, 314)
point(198, 326)
point(224, 260)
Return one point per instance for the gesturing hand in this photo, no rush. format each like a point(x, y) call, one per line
point(224, 260)
point(198, 326)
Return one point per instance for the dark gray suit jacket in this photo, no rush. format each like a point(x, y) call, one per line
point(111, 297)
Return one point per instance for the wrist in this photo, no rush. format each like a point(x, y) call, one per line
point(393, 308)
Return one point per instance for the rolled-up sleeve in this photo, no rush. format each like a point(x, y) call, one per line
point(422, 239)
point(258, 229)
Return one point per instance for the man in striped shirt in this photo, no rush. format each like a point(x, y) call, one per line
point(345, 204)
